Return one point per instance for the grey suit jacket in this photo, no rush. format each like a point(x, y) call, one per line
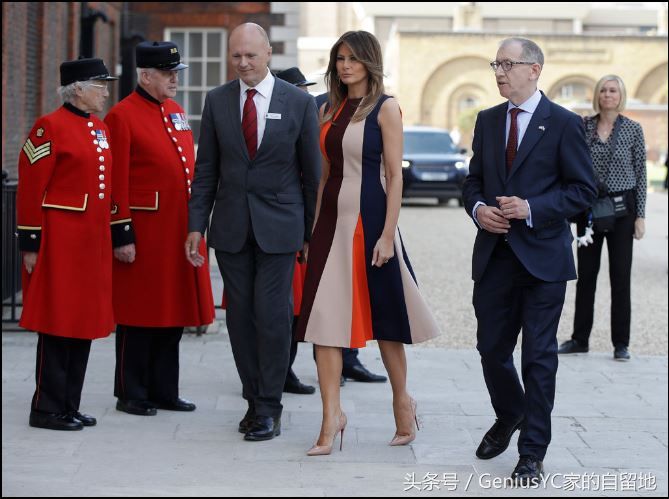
point(276, 191)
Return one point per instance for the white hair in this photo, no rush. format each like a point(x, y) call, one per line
point(143, 70)
point(68, 93)
point(530, 50)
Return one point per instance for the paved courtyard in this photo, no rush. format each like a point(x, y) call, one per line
point(609, 422)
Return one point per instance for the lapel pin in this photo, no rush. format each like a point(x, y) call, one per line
point(542, 128)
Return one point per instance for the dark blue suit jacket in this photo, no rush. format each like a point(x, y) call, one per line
point(552, 170)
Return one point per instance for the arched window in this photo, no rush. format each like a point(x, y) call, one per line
point(467, 102)
point(573, 89)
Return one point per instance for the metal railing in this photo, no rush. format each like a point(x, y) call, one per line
point(11, 258)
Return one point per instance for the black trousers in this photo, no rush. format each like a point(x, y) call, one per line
point(59, 373)
point(291, 377)
point(147, 363)
point(259, 316)
point(619, 243)
point(349, 357)
point(506, 299)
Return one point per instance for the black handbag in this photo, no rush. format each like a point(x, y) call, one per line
point(603, 215)
point(620, 204)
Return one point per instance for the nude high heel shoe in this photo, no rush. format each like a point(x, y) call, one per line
point(407, 439)
point(324, 450)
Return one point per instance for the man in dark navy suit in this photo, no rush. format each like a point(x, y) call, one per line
point(531, 170)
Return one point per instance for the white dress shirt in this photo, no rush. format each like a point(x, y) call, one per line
point(523, 119)
point(261, 99)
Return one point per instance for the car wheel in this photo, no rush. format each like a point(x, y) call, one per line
point(442, 201)
point(461, 202)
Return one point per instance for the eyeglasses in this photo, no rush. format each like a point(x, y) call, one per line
point(506, 64)
point(97, 85)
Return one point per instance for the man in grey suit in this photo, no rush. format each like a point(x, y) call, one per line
point(258, 166)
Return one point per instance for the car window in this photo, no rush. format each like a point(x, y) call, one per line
point(428, 143)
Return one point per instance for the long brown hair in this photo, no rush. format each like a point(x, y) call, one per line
point(367, 50)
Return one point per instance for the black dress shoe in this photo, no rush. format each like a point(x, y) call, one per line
point(497, 439)
point(85, 419)
point(298, 387)
point(528, 471)
point(358, 372)
point(264, 428)
point(136, 407)
point(51, 421)
point(621, 353)
point(246, 423)
point(573, 346)
point(177, 404)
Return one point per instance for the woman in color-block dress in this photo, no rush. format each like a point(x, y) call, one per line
point(359, 284)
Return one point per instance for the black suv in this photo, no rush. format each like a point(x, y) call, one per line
point(432, 165)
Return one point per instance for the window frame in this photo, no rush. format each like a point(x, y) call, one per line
point(185, 89)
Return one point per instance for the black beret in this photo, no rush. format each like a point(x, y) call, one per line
point(294, 76)
point(83, 70)
point(159, 55)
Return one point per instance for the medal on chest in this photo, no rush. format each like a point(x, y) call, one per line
point(180, 122)
point(101, 137)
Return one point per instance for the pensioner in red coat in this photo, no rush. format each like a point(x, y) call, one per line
point(154, 160)
point(63, 213)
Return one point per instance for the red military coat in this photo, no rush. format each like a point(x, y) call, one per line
point(63, 213)
point(154, 164)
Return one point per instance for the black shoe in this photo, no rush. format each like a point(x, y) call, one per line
point(51, 421)
point(573, 346)
point(298, 387)
point(85, 419)
point(177, 404)
point(497, 439)
point(342, 381)
point(264, 428)
point(136, 407)
point(528, 471)
point(358, 372)
point(621, 353)
point(246, 423)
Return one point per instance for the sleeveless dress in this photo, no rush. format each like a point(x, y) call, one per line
point(346, 301)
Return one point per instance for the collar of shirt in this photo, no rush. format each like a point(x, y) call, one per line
point(264, 88)
point(523, 119)
point(529, 106)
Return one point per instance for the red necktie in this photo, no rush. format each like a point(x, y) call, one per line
point(250, 123)
point(512, 143)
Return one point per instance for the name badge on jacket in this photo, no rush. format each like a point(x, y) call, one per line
point(273, 116)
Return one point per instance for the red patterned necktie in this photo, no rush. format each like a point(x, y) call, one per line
point(512, 143)
point(250, 123)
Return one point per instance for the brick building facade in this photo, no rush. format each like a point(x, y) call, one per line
point(36, 38)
